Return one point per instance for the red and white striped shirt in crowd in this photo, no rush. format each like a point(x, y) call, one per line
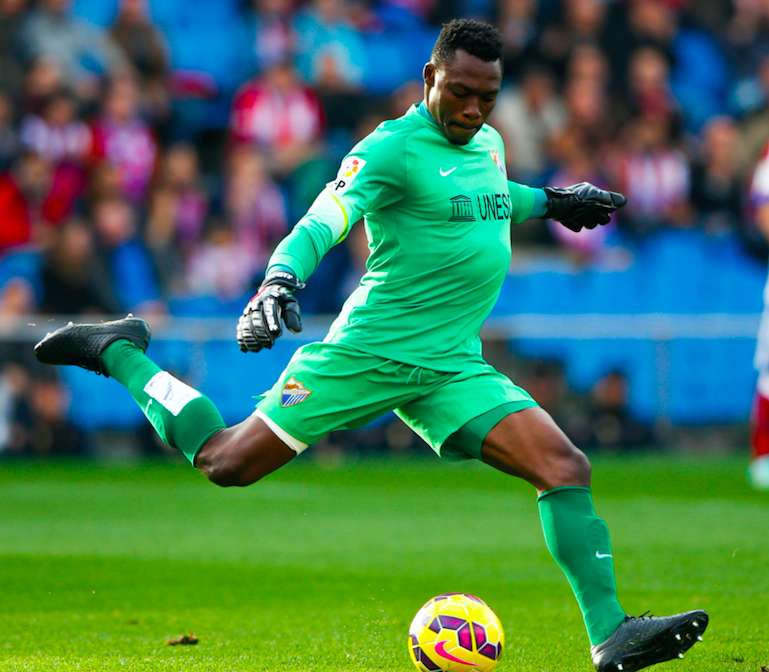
point(273, 118)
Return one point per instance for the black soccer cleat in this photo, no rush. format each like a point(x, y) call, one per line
point(640, 641)
point(82, 344)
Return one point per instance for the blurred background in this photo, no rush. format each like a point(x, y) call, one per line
point(152, 153)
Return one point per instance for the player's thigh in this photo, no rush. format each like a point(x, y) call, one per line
point(455, 417)
point(328, 386)
point(529, 444)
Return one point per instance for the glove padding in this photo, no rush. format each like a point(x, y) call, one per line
point(274, 304)
point(582, 206)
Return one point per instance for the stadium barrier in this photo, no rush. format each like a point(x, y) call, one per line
point(681, 369)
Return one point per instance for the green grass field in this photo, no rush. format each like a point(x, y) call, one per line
point(321, 569)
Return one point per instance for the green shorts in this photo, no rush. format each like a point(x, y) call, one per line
point(329, 386)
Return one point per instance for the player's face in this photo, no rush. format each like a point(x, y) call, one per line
point(461, 94)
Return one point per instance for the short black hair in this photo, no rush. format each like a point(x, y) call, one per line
point(477, 38)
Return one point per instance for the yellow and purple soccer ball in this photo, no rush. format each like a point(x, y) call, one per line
point(456, 632)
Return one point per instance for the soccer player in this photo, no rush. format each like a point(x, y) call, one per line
point(437, 206)
point(758, 471)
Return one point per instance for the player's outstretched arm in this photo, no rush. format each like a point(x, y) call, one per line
point(582, 206)
point(272, 307)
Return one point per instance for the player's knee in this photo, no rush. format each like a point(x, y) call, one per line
point(570, 468)
point(223, 465)
point(230, 472)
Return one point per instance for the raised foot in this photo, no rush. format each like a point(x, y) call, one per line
point(82, 344)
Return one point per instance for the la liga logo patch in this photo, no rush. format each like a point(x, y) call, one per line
point(351, 166)
point(293, 393)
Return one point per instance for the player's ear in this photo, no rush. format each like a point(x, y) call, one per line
point(428, 73)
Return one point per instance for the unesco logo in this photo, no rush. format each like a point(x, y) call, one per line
point(461, 209)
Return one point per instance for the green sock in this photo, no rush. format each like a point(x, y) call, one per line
point(579, 542)
point(182, 417)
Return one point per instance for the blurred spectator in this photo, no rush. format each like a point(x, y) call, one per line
point(587, 65)
point(220, 266)
point(37, 416)
point(281, 116)
point(755, 126)
point(581, 22)
point(254, 205)
point(22, 194)
point(14, 409)
point(527, 117)
point(648, 84)
point(580, 163)
point(178, 210)
point(122, 138)
point(11, 21)
point(43, 81)
point(654, 175)
point(516, 21)
point(145, 47)
point(716, 187)
point(587, 113)
point(271, 33)
point(17, 298)
point(72, 283)
point(611, 425)
point(406, 95)
point(84, 52)
point(330, 50)
point(9, 141)
point(637, 24)
point(125, 257)
point(59, 136)
point(746, 40)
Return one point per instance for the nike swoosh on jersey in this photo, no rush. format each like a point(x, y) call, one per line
point(446, 173)
point(602, 555)
point(440, 649)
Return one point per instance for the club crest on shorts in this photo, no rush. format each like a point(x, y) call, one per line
point(293, 393)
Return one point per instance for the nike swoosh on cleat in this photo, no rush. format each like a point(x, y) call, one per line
point(446, 173)
point(440, 649)
point(602, 555)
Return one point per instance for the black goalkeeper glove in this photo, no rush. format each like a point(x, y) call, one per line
point(273, 304)
point(582, 206)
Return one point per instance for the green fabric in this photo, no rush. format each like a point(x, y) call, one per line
point(539, 204)
point(437, 218)
point(579, 542)
point(182, 417)
point(328, 386)
point(470, 437)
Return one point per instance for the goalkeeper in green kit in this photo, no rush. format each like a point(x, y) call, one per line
point(433, 194)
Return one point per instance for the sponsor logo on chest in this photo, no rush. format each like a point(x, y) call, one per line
point(485, 206)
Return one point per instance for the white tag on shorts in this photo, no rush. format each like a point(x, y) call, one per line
point(170, 392)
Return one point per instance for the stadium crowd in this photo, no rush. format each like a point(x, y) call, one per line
point(152, 154)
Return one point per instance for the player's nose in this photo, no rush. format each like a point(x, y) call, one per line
point(472, 111)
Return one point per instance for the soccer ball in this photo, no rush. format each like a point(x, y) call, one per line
point(456, 632)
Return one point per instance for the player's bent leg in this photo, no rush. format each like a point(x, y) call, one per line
point(529, 444)
point(183, 417)
point(242, 454)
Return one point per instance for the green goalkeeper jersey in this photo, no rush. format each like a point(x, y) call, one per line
point(437, 219)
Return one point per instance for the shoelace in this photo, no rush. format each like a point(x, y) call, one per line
point(647, 615)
